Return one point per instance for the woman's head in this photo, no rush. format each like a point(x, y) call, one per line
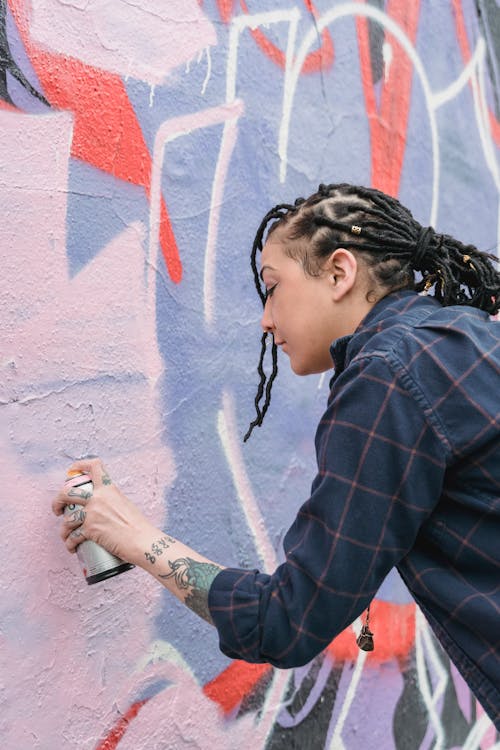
point(388, 246)
point(311, 301)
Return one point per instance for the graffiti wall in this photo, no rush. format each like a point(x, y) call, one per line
point(142, 141)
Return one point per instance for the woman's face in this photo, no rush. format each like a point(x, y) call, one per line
point(305, 314)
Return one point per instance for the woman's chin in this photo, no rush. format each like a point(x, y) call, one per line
point(308, 368)
point(300, 368)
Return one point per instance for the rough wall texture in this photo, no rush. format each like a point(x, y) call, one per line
point(141, 143)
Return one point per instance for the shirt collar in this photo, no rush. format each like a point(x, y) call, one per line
point(338, 350)
point(390, 305)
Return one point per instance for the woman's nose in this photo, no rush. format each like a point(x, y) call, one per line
point(266, 321)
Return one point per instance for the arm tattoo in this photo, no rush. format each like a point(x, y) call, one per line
point(195, 577)
point(158, 548)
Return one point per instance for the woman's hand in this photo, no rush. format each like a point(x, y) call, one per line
point(105, 516)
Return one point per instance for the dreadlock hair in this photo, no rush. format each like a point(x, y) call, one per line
point(380, 230)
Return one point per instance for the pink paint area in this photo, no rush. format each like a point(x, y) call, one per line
point(33, 182)
point(80, 368)
point(100, 333)
point(143, 40)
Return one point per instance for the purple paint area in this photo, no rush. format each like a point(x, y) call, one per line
point(370, 716)
point(20, 96)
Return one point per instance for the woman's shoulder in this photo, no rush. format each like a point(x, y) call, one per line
point(413, 324)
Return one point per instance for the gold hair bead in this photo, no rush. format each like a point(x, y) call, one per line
point(355, 229)
point(466, 259)
point(430, 280)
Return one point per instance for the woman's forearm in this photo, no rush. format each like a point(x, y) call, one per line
point(184, 572)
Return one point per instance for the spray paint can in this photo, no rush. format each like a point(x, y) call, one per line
point(96, 562)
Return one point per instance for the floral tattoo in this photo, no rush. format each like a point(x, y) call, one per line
point(189, 575)
point(195, 577)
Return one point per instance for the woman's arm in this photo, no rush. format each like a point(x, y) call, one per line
point(380, 474)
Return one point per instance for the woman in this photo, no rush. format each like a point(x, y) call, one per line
point(408, 448)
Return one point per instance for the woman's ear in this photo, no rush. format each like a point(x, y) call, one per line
point(342, 269)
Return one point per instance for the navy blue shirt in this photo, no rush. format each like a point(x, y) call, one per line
point(408, 455)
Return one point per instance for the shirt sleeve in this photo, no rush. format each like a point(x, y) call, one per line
point(381, 462)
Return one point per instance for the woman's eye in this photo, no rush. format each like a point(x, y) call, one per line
point(269, 292)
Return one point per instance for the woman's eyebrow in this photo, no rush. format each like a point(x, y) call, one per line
point(265, 268)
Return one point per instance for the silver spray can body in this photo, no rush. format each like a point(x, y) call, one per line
point(96, 562)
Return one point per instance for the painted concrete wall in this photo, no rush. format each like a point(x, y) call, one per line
point(141, 143)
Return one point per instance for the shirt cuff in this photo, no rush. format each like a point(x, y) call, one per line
point(233, 601)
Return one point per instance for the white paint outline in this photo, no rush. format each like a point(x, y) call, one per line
point(169, 131)
point(430, 696)
point(208, 73)
point(273, 702)
point(226, 427)
point(228, 142)
point(453, 89)
point(336, 741)
point(240, 23)
point(477, 734)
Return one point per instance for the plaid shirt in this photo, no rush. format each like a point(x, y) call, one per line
point(408, 457)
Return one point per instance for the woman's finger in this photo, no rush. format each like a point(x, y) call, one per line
point(74, 538)
point(70, 496)
point(94, 468)
point(80, 492)
point(74, 515)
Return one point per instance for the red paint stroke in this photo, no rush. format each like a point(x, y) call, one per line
point(230, 687)
point(393, 627)
point(106, 132)
point(121, 726)
point(226, 8)
point(320, 59)
point(463, 42)
point(6, 105)
point(389, 123)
